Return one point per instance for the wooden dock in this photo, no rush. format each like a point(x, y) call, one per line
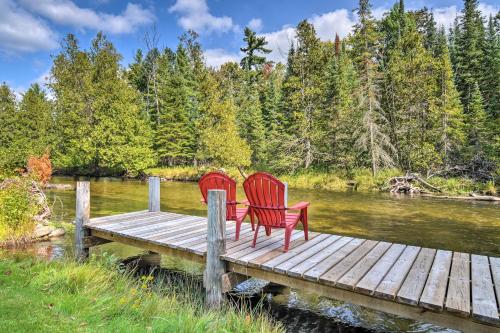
point(451, 289)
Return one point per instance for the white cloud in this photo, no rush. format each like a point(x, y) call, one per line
point(445, 16)
point(487, 10)
point(329, 24)
point(217, 57)
point(378, 12)
point(21, 32)
point(195, 15)
point(66, 12)
point(255, 24)
point(326, 25)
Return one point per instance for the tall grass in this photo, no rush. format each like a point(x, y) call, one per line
point(65, 296)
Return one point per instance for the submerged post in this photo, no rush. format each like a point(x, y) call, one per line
point(216, 246)
point(82, 218)
point(154, 194)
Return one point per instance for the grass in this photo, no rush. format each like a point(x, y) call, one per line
point(334, 180)
point(65, 296)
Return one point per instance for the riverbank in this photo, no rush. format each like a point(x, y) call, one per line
point(360, 180)
point(65, 296)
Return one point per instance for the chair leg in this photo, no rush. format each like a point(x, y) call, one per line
point(256, 235)
point(238, 227)
point(268, 231)
point(288, 234)
point(252, 218)
point(304, 223)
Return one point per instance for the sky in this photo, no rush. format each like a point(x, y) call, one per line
point(31, 31)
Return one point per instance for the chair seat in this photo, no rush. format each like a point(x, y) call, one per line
point(290, 219)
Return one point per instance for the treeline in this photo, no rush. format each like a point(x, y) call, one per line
point(398, 92)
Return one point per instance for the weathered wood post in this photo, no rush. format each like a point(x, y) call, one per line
point(216, 246)
point(154, 194)
point(286, 194)
point(82, 218)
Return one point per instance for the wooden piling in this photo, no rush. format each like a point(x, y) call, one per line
point(216, 246)
point(82, 218)
point(154, 194)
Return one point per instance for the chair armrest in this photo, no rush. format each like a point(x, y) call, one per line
point(203, 201)
point(299, 206)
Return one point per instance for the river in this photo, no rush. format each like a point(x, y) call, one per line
point(454, 225)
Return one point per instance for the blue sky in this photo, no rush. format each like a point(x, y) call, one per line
point(31, 30)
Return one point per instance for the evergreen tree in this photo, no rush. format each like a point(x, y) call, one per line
point(448, 108)
point(8, 118)
point(254, 44)
point(175, 140)
point(469, 56)
point(476, 122)
point(426, 26)
point(371, 136)
point(490, 85)
point(98, 120)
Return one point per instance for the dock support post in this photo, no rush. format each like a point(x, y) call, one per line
point(154, 194)
point(82, 218)
point(216, 246)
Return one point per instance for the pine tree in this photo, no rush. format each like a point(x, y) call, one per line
point(476, 122)
point(426, 26)
point(449, 111)
point(490, 85)
point(8, 118)
point(254, 44)
point(469, 56)
point(371, 136)
point(175, 139)
point(98, 119)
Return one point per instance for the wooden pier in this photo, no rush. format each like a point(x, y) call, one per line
point(451, 289)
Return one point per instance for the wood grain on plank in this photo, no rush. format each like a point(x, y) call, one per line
point(326, 248)
point(415, 280)
point(435, 287)
point(322, 267)
point(458, 294)
point(356, 273)
point(495, 272)
point(392, 281)
point(337, 271)
point(371, 280)
point(484, 305)
point(297, 255)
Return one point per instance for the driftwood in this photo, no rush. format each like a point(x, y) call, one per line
point(407, 184)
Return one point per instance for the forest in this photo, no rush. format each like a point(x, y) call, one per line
point(399, 92)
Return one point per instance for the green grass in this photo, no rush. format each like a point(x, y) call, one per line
point(333, 180)
point(64, 296)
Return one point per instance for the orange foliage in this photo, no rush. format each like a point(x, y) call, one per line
point(40, 168)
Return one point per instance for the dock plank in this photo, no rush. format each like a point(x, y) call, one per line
point(495, 272)
point(337, 271)
point(458, 294)
point(435, 287)
point(484, 305)
point(244, 249)
point(358, 271)
point(392, 281)
point(414, 283)
point(371, 280)
point(120, 216)
point(298, 254)
point(322, 267)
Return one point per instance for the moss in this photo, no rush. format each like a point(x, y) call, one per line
point(65, 296)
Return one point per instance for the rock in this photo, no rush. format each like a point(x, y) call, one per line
point(57, 233)
point(42, 231)
point(63, 187)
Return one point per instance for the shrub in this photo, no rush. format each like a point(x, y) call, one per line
point(18, 208)
point(40, 168)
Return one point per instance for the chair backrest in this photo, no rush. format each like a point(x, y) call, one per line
point(266, 195)
point(220, 181)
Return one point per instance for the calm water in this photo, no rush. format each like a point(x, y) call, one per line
point(446, 224)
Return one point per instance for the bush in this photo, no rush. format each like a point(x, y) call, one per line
point(18, 208)
point(40, 168)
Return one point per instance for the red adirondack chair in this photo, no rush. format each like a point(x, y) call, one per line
point(220, 181)
point(266, 195)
